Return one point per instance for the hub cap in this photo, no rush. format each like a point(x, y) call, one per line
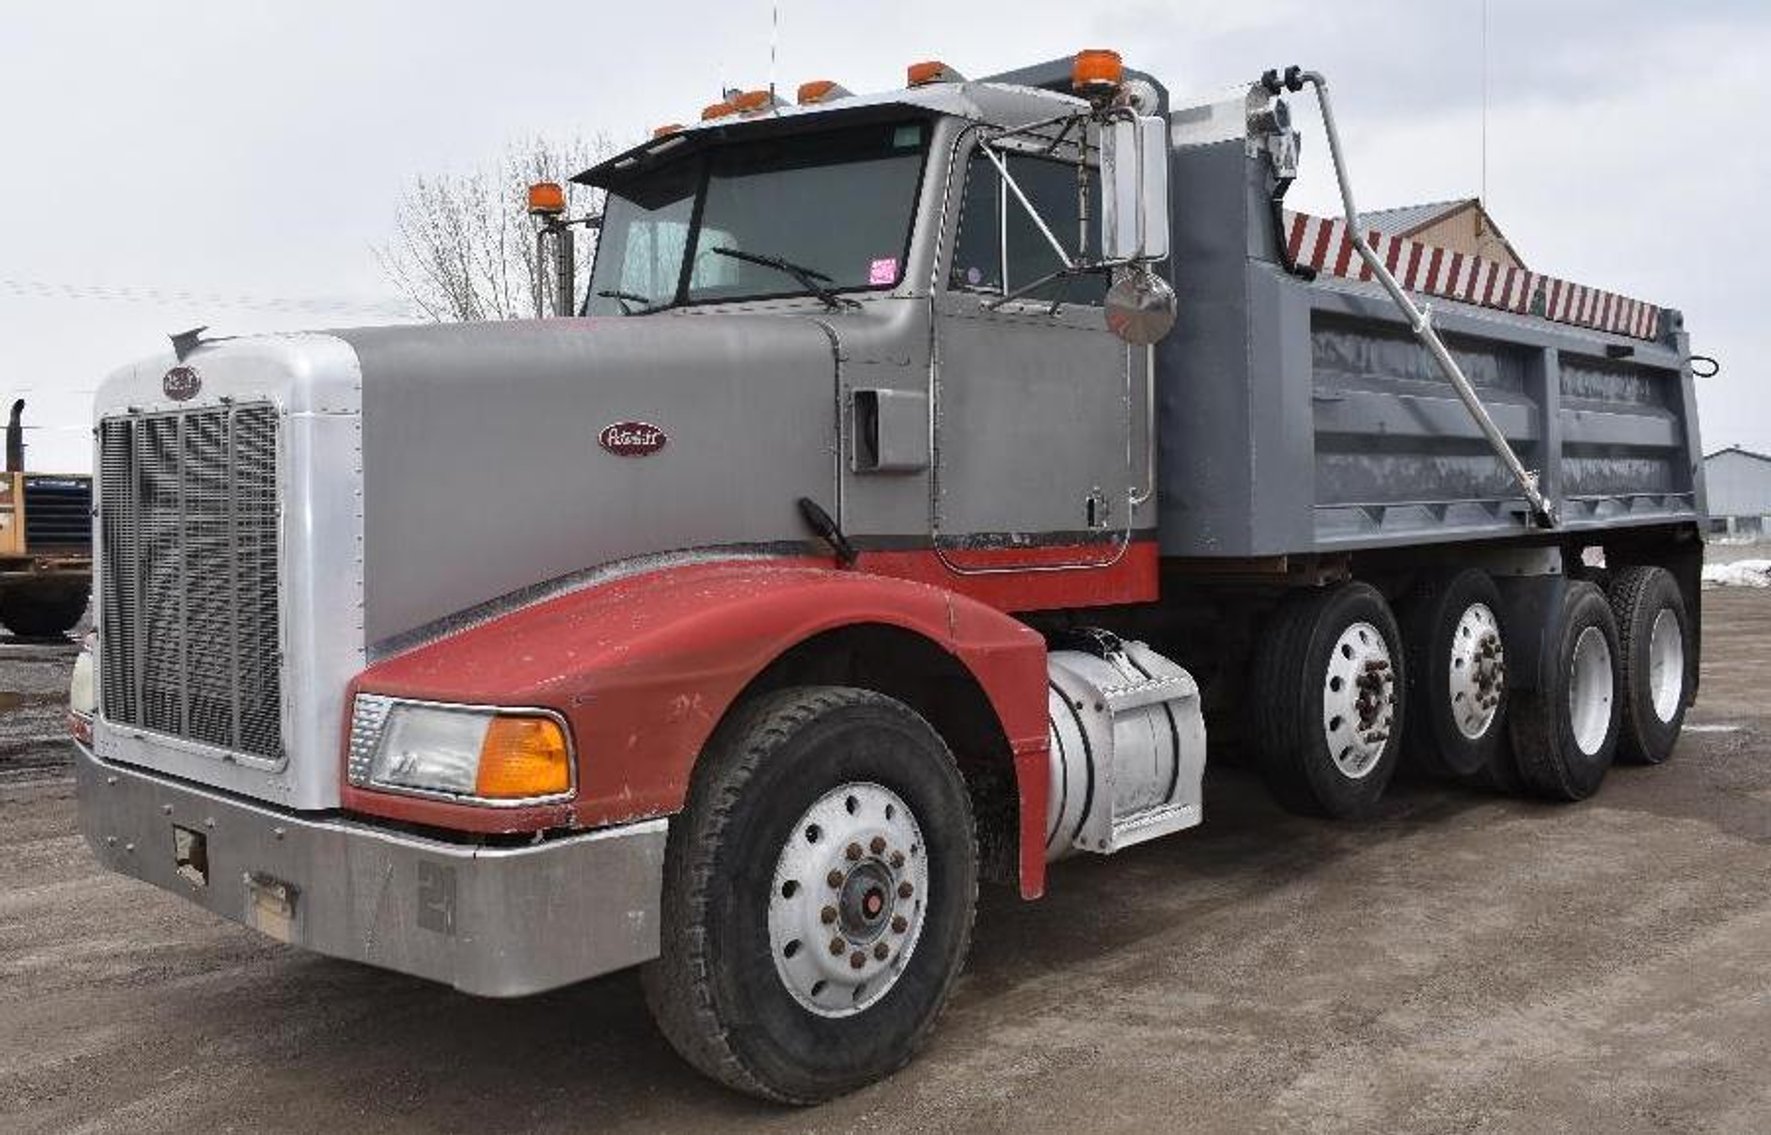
point(1478, 670)
point(1666, 664)
point(1589, 690)
point(1358, 700)
point(850, 891)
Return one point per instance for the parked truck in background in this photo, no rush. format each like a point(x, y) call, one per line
point(868, 531)
point(45, 542)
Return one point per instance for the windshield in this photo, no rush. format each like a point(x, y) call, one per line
point(835, 206)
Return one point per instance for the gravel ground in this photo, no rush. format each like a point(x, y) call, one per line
point(1465, 963)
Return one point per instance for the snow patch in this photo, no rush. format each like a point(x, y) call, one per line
point(1740, 573)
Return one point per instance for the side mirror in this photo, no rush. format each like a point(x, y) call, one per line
point(1134, 182)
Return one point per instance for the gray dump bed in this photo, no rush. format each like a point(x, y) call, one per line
point(1302, 416)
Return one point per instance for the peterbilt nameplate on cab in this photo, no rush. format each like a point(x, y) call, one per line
point(632, 439)
point(181, 384)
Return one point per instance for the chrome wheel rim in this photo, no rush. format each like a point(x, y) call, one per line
point(848, 900)
point(1666, 664)
point(1358, 700)
point(1478, 671)
point(1589, 690)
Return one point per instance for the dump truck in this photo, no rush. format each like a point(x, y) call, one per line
point(45, 542)
point(926, 486)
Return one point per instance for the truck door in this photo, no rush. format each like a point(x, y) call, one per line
point(1032, 395)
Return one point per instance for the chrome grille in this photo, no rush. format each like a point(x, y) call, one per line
point(188, 624)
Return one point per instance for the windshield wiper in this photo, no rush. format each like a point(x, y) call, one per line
point(807, 277)
point(625, 298)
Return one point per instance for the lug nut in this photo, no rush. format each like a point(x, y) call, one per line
point(837, 946)
point(878, 845)
point(827, 915)
point(834, 878)
point(897, 859)
point(905, 890)
point(880, 950)
point(853, 851)
point(900, 923)
point(857, 960)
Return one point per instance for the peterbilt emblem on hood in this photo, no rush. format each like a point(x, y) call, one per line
point(631, 439)
point(181, 383)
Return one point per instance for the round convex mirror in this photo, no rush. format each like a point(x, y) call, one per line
point(1140, 307)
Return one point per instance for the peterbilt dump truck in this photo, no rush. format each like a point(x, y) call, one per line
point(928, 483)
point(45, 542)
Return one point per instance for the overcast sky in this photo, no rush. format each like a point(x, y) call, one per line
point(250, 154)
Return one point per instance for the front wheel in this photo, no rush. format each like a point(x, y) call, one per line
point(818, 896)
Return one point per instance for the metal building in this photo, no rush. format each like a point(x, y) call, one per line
point(1739, 491)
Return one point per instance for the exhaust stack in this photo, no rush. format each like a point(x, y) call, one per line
point(15, 439)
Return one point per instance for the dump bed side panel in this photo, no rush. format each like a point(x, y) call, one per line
point(1303, 416)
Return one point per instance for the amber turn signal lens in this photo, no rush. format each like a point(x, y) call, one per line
point(718, 110)
point(1095, 68)
point(546, 198)
point(523, 757)
point(668, 128)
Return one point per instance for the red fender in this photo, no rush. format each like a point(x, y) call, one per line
point(643, 667)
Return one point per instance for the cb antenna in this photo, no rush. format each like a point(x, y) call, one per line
point(1484, 189)
point(774, 42)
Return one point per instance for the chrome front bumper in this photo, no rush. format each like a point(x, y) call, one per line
point(499, 922)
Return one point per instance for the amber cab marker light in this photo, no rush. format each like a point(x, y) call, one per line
point(523, 758)
point(751, 101)
point(718, 110)
point(819, 90)
point(1096, 69)
point(667, 128)
point(547, 199)
point(931, 71)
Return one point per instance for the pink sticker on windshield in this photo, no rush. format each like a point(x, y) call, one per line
point(883, 271)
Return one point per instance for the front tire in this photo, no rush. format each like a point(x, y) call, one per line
point(1329, 679)
point(818, 817)
point(35, 611)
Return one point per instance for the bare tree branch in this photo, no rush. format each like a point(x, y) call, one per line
point(463, 245)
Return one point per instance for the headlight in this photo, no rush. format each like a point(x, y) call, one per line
point(476, 753)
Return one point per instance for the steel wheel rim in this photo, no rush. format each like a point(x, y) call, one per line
point(853, 873)
point(1358, 700)
point(1477, 671)
point(1590, 691)
point(1666, 664)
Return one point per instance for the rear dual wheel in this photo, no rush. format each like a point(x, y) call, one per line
point(1565, 731)
point(1457, 674)
point(1329, 671)
point(1653, 630)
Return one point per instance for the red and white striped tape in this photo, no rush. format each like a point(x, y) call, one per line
point(1323, 244)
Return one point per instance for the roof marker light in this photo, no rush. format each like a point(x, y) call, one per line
point(1096, 70)
point(668, 128)
point(546, 199)
point(718, 110)
point(755, 102)
point(821, 90)
point(931, 71)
